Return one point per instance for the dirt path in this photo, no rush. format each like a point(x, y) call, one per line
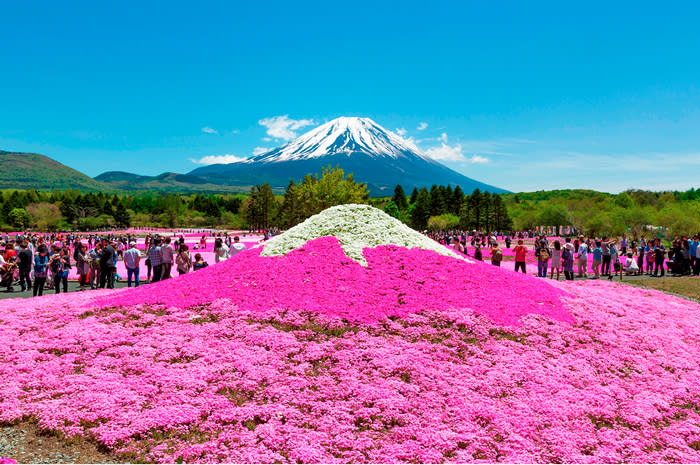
point(25, 443)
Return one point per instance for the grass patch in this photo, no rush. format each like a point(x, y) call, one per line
point(687, 286)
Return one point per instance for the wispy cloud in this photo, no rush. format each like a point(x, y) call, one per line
point(478, 159)
point(283, 127)
point(216, 159)
point(260, 150)
point(446, 153)
point(208, 130)
point(422, 126)
point(400, 131)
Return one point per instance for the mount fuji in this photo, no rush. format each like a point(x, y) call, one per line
point(374, 155)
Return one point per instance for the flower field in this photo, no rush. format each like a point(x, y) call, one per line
point(311, 355)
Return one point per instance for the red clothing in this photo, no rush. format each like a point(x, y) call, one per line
point(9, 255)
point(520, 253)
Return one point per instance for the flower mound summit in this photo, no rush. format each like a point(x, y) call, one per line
point(354, 340)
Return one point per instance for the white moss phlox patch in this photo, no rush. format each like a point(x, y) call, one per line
point(356, 227)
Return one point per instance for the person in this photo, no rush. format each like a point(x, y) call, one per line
point(7, 272)
point(203, 242)
point(659, 255)
point(597, 259)
point(94, 259)
point(520, 254)
point(567, 256)
point(183, 259)
point(25, 266)
point(220, 251)
point(631, 266)
point(694, 256)
point(41, 262)
point(649, 252)
point(236, 248)
point(616, 265)
point(556, 259)
point(507, 242)
point(623, 244)
point(132, 258)
point(606, 259)
point(155, 257)
point(582, 259)
point(543, 255)
point(167, 256)
point(477, 253)
point(60, 264)
point(107, 265)
point(640, 259)
point(496, 255)
point(82, 263)
point(199, 262)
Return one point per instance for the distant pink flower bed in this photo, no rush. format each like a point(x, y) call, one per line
point(320, 278)
point(310, 357)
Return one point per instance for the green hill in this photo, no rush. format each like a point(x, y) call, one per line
point(33, 171)
point(166, 182)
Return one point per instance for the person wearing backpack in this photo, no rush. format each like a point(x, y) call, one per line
point(543, 255)
point(183, 260)
point(567, 257)
point(41, 262)
point(496, 255)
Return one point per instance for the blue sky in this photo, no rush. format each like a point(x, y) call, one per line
point(555, 95)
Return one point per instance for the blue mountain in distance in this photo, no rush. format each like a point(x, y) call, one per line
point(374, 155)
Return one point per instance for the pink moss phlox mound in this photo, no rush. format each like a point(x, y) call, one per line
point(320, 278)
point(7, 460)
point(218, 383)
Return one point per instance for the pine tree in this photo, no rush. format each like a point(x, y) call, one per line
point(399, 198)
point(414, 196)
point(437, 201)
point(420, 211)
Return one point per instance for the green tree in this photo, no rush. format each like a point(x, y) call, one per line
point(443, 222)
point(391, 209)
point(19, 218)
point(414, 196)
point(121, 215)
point(420, 210)
point(399, 198)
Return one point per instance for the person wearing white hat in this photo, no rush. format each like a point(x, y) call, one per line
point(132, 258)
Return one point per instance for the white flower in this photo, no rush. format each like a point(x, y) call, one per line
point(355, 227)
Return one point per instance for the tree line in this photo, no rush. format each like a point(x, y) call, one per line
point(635, 212)
point(73, 210)
point(444, 208)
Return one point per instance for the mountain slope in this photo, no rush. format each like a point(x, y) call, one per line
point(360, 146)
point(20, 170)
point(166, 182)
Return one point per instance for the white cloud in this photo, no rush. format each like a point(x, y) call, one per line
point(267, 139)
point(208, 130)
point(443, 137)
point(446, 152)
point(214, 159)
point(283, 127)
point(260, 150)
point(478, 159)
point(422, 126)
point(401, 131)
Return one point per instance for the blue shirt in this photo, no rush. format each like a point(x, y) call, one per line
point(693, 249)
point(597, 254)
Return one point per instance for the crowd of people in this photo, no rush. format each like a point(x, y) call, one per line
point(571, 255)
point(38, 262)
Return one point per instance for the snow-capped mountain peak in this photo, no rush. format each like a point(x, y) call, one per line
point(344, 135)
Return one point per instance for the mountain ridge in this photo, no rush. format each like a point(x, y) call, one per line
point(374, 155)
